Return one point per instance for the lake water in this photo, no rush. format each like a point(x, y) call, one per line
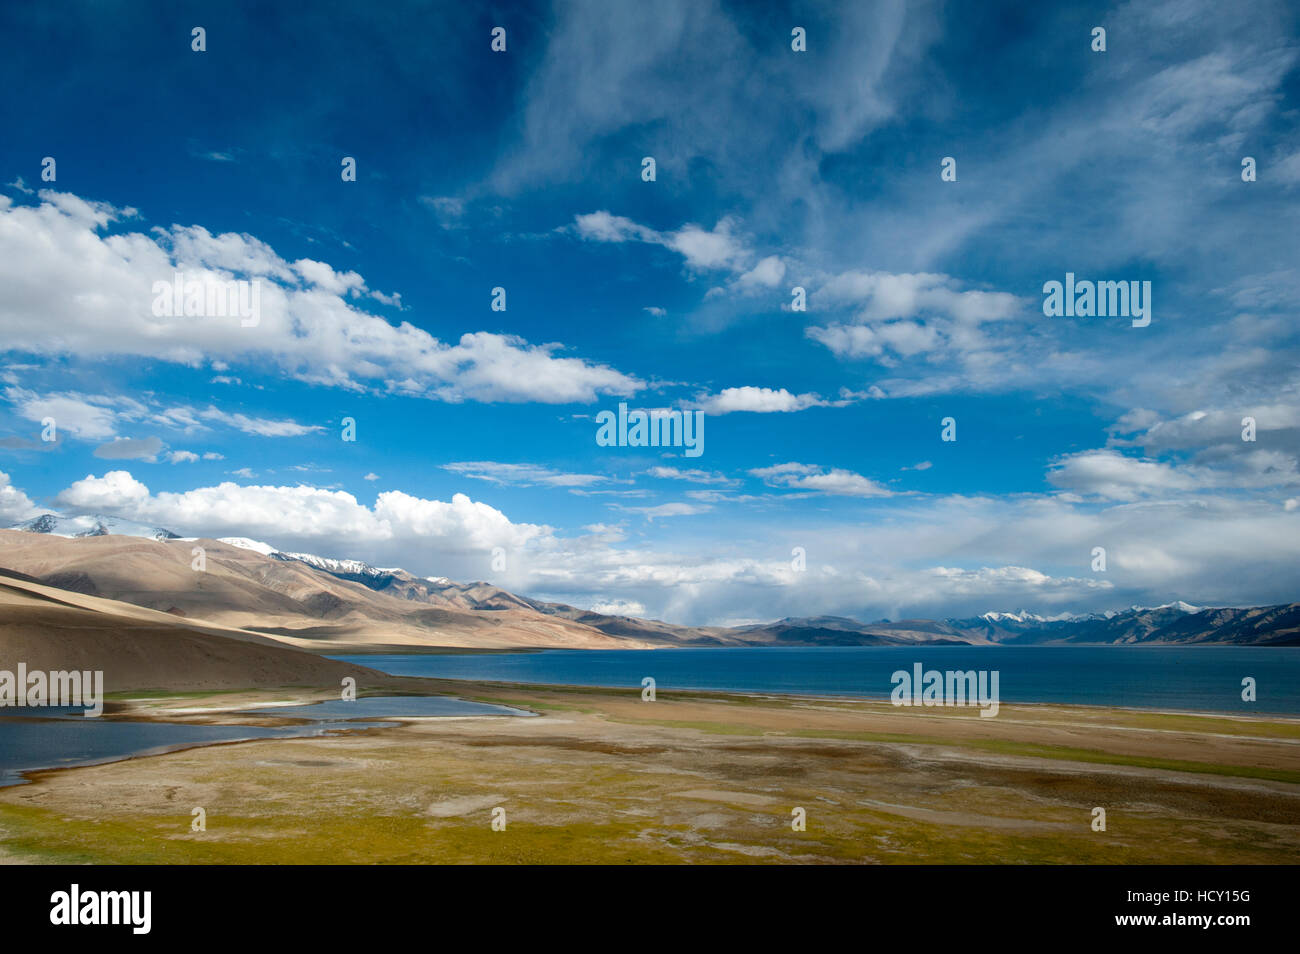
point(1205, 678)
point(45, 738)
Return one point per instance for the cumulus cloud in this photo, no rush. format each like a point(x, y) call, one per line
point(766, 274)
point(1110, 474)
point(1274, 421)
point(906, 315)
point(919, 556)
point(760, 401)
point(882, 295)
point(117, 493)
point(74, 287)
point(806, 477)
point(398, 528)
point(14, 504)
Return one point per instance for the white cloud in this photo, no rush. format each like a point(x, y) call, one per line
point(604, 226)
point(327, 279)
point(130, 448)
point(117, 492)
point(918, 556)
point(398, 529)
point(759, 400)
point(449, 210)
point(702, 249)
point(1287, 170)
point(1109, 474)
point(718, 248)
point(677, 509)
point(182, 457)
point(97, 416)
point(1208, 427)
point(766, 274)
point(14, 504)
point(905, 315)
point(882, 295)
point(91, 417)
point(259, 426)
point(609, 73)
point(521, 475)
point(619, 608)
point(70, 288)
point(689, 475)
point(834, 481)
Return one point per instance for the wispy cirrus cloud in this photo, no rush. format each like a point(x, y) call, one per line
point(521, 475)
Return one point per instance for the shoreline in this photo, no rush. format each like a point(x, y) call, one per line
point(219, 715)
point(840, 697)
point(599, 776)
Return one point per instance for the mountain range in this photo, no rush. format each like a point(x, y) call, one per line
point(336, 605)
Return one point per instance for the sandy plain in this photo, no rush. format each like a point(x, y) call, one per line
point(601, 776)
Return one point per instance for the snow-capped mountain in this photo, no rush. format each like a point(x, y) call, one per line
point(1137, 624)
point(244, 543)
point(92, 525)
point(1177, 622)
point(1177, 605)
point(354, 570)
point(1024, 616)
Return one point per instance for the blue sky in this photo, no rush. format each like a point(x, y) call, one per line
point(775, 169)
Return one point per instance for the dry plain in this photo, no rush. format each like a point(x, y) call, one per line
point(600, 776)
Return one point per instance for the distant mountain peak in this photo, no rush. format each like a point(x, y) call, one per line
point(244, 543)
point(92, 525)
point(1178, 605)
point(1024, 616)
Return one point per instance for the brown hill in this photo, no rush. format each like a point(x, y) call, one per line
point(291, 601)
point(137, 648)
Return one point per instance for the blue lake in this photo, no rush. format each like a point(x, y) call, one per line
point(46, 738)
point(1202, 679)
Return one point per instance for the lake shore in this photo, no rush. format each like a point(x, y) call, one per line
point(601, 776)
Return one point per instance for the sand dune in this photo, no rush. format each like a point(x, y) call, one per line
point(137, 648)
